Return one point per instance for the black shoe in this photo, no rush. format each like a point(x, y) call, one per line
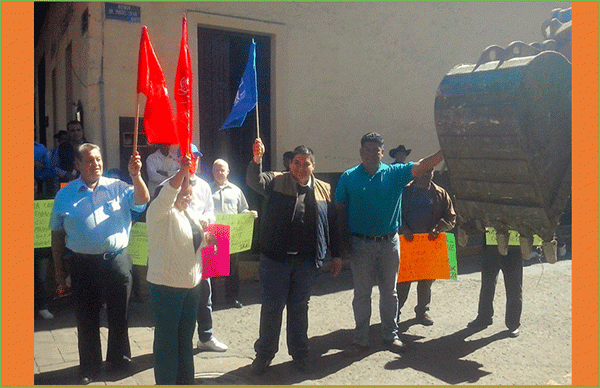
point(89, 374)
point(121, 365)
point(88, 378)
point(301, 365)
point(396, 345)
point(355, 350)
point(514, 333)
point(425, 319)
point(259, 366)
point(479, 323)
point(236, 304)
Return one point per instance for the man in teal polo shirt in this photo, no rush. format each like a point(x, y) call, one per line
point(368, 200)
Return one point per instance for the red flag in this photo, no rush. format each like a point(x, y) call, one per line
point(183, 96)
point(159, 121)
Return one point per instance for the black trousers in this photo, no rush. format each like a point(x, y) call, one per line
point(232, 282)
point(96, 281)
point(42, 258)
point(511, 266)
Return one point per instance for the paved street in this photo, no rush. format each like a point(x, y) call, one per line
point(443, 354)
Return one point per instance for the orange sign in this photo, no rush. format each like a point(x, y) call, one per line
point(422, 259)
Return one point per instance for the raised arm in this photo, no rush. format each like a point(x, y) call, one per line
point(256, 179)
point(184, 172)
point(426, 163)
point(140, 191)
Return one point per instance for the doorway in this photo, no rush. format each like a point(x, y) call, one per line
point(222, 58)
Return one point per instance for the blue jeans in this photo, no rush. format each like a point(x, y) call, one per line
point(375, 262)
point(282, 285)
point(175, 317)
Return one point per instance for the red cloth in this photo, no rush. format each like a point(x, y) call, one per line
point(159, 120)
point(183, 96)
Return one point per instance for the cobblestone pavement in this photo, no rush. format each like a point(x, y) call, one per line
point(443, 354)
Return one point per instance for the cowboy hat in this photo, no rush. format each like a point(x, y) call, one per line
point(400, 148)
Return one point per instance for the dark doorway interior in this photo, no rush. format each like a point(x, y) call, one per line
point(222, 58)
point(42, 122)
point(126, 129)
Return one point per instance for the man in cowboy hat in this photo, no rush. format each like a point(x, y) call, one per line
point(399, 154)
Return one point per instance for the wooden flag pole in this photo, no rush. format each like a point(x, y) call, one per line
point(137, 119)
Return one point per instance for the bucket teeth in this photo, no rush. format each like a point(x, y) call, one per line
point(526, 247)
point(502, 239)
point(550, 248)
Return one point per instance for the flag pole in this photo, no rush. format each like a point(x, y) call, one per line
point(137, 119)
point(257, 125)
point(256, 87)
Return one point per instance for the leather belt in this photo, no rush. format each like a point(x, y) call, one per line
point(385, 237)
point(109, 256)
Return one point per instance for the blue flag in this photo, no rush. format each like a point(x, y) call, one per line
point(246, 97)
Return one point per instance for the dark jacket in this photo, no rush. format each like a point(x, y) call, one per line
point(444, 216)
point(280, 190)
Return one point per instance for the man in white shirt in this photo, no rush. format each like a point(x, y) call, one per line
point(229, 199)
point(161, 165)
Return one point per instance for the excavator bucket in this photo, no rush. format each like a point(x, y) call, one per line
point(504, 127)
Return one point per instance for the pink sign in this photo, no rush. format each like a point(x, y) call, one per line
point(215, 262)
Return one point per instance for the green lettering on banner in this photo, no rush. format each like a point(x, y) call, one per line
point(138, 244)
point(513, 237)
point(451, 245)
point(242, 226)
point(423, 258)
point(41, 220)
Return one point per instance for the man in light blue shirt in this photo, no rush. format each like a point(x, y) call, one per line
point(90, 223)
point(368, 201)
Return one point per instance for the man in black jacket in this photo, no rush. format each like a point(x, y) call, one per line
point(298, 226)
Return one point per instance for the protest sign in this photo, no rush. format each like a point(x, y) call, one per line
point(215, 262)
point(41, 219)
point(242, 226)
point(138, 244)
point(422, 259)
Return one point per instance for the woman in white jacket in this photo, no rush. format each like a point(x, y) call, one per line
point(174, 272)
